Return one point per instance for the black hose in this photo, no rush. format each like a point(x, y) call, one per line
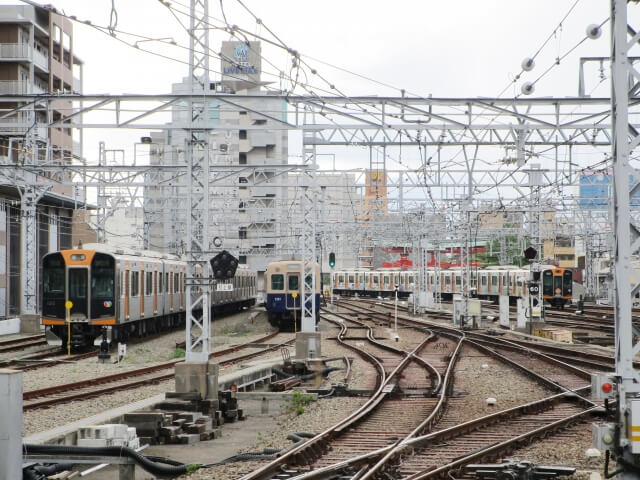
point(155, 468)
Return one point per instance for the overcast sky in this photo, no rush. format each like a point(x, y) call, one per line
point(440, 48)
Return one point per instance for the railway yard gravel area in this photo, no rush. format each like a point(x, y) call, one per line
point(477, 378)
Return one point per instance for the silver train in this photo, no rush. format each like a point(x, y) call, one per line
point(130, 294)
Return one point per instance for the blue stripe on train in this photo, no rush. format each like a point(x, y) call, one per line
point(276, 302)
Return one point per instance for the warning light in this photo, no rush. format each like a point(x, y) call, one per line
point(607, 387)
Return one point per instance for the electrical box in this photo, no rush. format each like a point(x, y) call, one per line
point(603, 386)
point(603, 435)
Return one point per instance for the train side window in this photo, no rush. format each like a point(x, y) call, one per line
point(351, 279)
point(176, 284)
point(504, 280)
point(149, 284)
point(484, 281)
point(410, 278)
point(293, 282)
point(135, 283)
point(375, 280)
point(447, 280)
point(341, 278)
point(277, 282)
point(385, 279)
point(160, 282)
point(458, 280)
point(494, 281)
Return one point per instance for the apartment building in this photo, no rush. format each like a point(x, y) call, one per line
point(36, 57)
point(246, 207)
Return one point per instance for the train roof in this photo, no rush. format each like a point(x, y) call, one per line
point(115, 250)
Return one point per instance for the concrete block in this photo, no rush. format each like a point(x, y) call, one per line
point(206, 421)
point(217, 433)
point(197, 377)
point(308, 345)
point(190, 417)
point(30, 324)
point(178, 405)
point(195, 428)
point(95, 442)
point(170, 431)
point(188, 438)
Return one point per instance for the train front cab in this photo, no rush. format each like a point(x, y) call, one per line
point(282, 306)
point(85, 278)
point(557, 286)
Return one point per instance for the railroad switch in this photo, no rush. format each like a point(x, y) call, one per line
point(517, 471)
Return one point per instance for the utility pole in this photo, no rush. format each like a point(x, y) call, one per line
point(198, 287)
point(620, 438)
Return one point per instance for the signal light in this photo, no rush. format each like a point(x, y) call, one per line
point(603, 386)
point(224, 265)
point(332, 259)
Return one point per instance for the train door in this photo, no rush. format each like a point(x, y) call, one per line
point(142, 289)
point(567, 283)
point(126, 293)
point(375, 282)
point(78, 291)
point(293, 285)
point(547, 283)
point(170, 284)
point(155, 289)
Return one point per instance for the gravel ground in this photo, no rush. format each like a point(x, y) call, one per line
point(566, 449)
point(473, 384)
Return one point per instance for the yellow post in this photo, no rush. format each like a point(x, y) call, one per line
point(68, 305)
point(295, 320)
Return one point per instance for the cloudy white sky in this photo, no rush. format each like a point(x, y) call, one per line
point(462, 48)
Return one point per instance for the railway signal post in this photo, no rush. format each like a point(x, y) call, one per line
point(536, 308)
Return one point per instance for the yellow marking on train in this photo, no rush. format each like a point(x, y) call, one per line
point(635, 428)
point(77, 256)
point(52, 321)
point(106, 321)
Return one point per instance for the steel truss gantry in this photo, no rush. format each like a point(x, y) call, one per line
point(626, 137)
point(355, 121)
point(198, 282)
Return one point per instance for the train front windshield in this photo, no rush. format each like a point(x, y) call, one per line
point(102, 286)
point(53, 286)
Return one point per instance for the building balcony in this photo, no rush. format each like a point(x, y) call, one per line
point(13, 127)
point(18, 87)
point(24, 52)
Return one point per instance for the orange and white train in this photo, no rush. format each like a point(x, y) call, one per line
point(487, 283)
point(130, 293)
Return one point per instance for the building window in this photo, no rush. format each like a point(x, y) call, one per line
point(242, 259)
point(242, 233)
point(242, 160)
point(243, 134)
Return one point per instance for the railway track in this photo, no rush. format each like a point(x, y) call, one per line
point(21, 343)
point(48, 397)
point(436, 448)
